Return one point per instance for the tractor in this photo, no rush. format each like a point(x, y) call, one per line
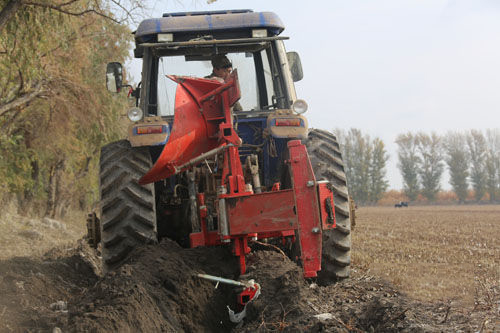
point(196, 170)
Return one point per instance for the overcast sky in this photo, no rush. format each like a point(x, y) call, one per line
point(389, 66)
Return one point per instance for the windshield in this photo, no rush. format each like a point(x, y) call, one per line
point(254, 73)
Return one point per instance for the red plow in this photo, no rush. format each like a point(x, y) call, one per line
point(203, 129)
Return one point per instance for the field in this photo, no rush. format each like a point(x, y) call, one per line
point(22, 236)
point(432, 252)
point(423, 269)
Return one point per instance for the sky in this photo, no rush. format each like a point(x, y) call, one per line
point(388, 67)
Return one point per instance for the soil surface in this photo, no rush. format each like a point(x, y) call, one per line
point(157, 290)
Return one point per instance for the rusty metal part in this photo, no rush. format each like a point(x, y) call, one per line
point(93, 230)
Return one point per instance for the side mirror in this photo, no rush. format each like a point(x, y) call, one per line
point(114, 77)
point(295, 66)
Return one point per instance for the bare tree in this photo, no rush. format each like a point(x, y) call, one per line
point(408, 164)
point(358, 152)
point(25, 27)
point(457, 158)
point(431, 167)
point(492, 163)
point(365, 165)
point(378, 181)
point(477, 151)
point(118, 11)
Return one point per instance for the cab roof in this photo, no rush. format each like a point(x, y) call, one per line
point(209, 21)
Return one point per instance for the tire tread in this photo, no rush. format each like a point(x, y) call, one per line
point(128, 212)
point(326, 159)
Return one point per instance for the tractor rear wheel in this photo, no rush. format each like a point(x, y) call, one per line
point(326, 160)
point(128, 215)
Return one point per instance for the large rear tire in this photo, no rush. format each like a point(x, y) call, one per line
point(128, 215)
point(326, 160)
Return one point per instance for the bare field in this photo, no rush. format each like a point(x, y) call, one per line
point(448, 253)
point(22, 236)
point(431, 252)
point(446, 256)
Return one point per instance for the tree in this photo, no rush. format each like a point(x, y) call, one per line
point(358, 154)
point(25, 81)
point(457, 158)
point(377, 170)
point(408, 164)
point(9, 8)
point(54, 112)
point(365, 165)
point(118, 11)
point(431, 167)
point(492, 163)
point(477, 151)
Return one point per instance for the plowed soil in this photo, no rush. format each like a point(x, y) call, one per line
point(158, 291)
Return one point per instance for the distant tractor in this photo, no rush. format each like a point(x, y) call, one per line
point(196, 170)
point(401, 204)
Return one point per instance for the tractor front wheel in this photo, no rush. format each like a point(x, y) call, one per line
point(128, 215)
point(326, 160)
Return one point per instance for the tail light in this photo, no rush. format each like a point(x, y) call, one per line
point(288, 122)
point(149, 129)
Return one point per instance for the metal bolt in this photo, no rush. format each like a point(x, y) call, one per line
point(310, 183)
point(315, 230)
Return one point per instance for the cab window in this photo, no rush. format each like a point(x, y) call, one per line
point(254, 74)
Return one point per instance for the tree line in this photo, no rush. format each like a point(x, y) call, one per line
point(472, 159)
point(55, 112)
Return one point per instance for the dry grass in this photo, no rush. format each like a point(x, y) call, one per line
point(27, 236)
point(432, 252)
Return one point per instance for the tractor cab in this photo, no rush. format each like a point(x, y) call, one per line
point(183, 45)
point(199, 170)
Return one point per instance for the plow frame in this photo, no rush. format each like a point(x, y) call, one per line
point(300, 213)
point(205, 128)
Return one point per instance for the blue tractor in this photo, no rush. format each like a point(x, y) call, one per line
point(211, 161)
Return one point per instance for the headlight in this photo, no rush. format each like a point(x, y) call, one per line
point(299, 106)
point(135, 114)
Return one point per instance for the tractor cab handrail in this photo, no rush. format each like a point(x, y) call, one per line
point(212, 42)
